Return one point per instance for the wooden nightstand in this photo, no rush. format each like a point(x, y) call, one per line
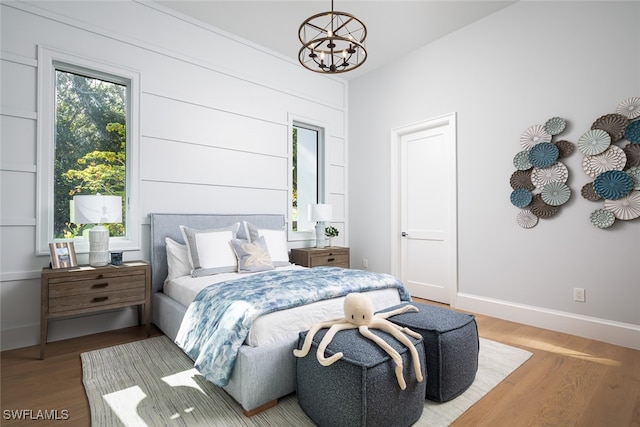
point(333, 256)
point(84, 289)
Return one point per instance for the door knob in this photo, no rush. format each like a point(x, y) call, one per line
point(404, 234)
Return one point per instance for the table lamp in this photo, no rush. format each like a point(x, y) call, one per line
point(320, 213)
point(97, 209)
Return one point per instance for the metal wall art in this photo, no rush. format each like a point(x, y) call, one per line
point(611, 150)
point(615, 169)
point(540, 182)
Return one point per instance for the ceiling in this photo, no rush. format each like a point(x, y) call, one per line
point(394, 28)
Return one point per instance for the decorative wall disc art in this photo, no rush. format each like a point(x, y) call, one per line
point(565, 148)
point(534, 135)
point(634, 173)
point(555, 125)
point(521, 179)
point(616, 171)
point(543, 155)
point(630, 107)
point(555, 193)
point(632, 132)
point(625, 208)
point(521, 197)
point(613, 124)
point(613, 185)
point(526, 219)
point(593, 142)
point(632, 151)
point(521, 160)
point(589, 193)
point(542, 210)
point(602, 218)
point(539, 183)
point(557, 172)
point(611, 150)
point(613, 158)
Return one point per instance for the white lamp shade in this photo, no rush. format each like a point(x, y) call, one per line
point(321, 212)
point(97, 209)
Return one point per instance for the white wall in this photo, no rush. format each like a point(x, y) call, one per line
point(519, 67)
point(213, 122)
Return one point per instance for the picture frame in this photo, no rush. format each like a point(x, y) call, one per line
point(63, 255)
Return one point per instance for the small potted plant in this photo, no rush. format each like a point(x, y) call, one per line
point(331, 232)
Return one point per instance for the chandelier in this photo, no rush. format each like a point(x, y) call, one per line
point(332, 42)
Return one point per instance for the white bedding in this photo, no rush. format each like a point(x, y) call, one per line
point(280, 325)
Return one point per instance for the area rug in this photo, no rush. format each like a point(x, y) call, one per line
point(153, 383)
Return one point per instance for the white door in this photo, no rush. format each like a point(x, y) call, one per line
point(425, 229)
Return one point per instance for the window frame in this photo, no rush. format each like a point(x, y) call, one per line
point(323, 169)
point(50, 59)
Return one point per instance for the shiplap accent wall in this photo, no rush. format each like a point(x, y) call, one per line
point(213, 131)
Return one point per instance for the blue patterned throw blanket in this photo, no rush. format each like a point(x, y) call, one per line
point(219, 318)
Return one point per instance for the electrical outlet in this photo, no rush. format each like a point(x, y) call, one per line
point(365, 263)
point(579, 294)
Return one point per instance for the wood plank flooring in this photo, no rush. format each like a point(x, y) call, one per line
point(569, 381)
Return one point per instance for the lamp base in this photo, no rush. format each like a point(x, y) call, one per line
point(98, 246)
point(320, 239)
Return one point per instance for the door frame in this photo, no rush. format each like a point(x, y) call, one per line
point(395, 231)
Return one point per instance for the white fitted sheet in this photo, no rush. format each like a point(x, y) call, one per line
point(283, 324)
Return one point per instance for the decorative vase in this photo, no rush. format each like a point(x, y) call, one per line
point(330, 241)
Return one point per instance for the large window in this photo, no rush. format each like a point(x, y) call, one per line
point(88, 144)
point(307, 176)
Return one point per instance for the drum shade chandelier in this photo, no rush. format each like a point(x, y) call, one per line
point(332, 42)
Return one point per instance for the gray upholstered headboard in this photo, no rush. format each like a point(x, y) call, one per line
point(168, 225)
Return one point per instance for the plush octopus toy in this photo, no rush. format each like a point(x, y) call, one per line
point(358, 313)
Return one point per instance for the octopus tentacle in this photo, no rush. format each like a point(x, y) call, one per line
point(306, 346)
point(400, 310)
point(326, 361)
point(405, 329)
point(364, 330)
point(389, 327)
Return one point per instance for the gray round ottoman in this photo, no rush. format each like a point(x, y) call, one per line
point(360, 389)
point(451, 347)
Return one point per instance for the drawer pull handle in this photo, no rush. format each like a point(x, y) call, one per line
point(331, 259)
point(99, 299)
point(99, 285)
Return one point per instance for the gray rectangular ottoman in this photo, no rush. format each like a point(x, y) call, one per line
point(451, 347)
point(360, 389)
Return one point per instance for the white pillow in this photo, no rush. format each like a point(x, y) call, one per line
point(276, 243)
point(177, 259)
point(210, 251)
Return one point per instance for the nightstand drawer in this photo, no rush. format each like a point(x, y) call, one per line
point(100, 283)
point(96, 300)
point(337, 260)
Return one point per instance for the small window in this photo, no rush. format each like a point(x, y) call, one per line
point(307, 174)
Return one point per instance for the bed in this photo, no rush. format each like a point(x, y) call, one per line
point(264, 370)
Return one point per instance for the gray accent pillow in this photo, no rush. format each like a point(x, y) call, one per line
point(252, 256)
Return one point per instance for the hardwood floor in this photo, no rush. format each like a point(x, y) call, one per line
point(569, 381)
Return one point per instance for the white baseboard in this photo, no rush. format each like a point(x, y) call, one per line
point(618, 333)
